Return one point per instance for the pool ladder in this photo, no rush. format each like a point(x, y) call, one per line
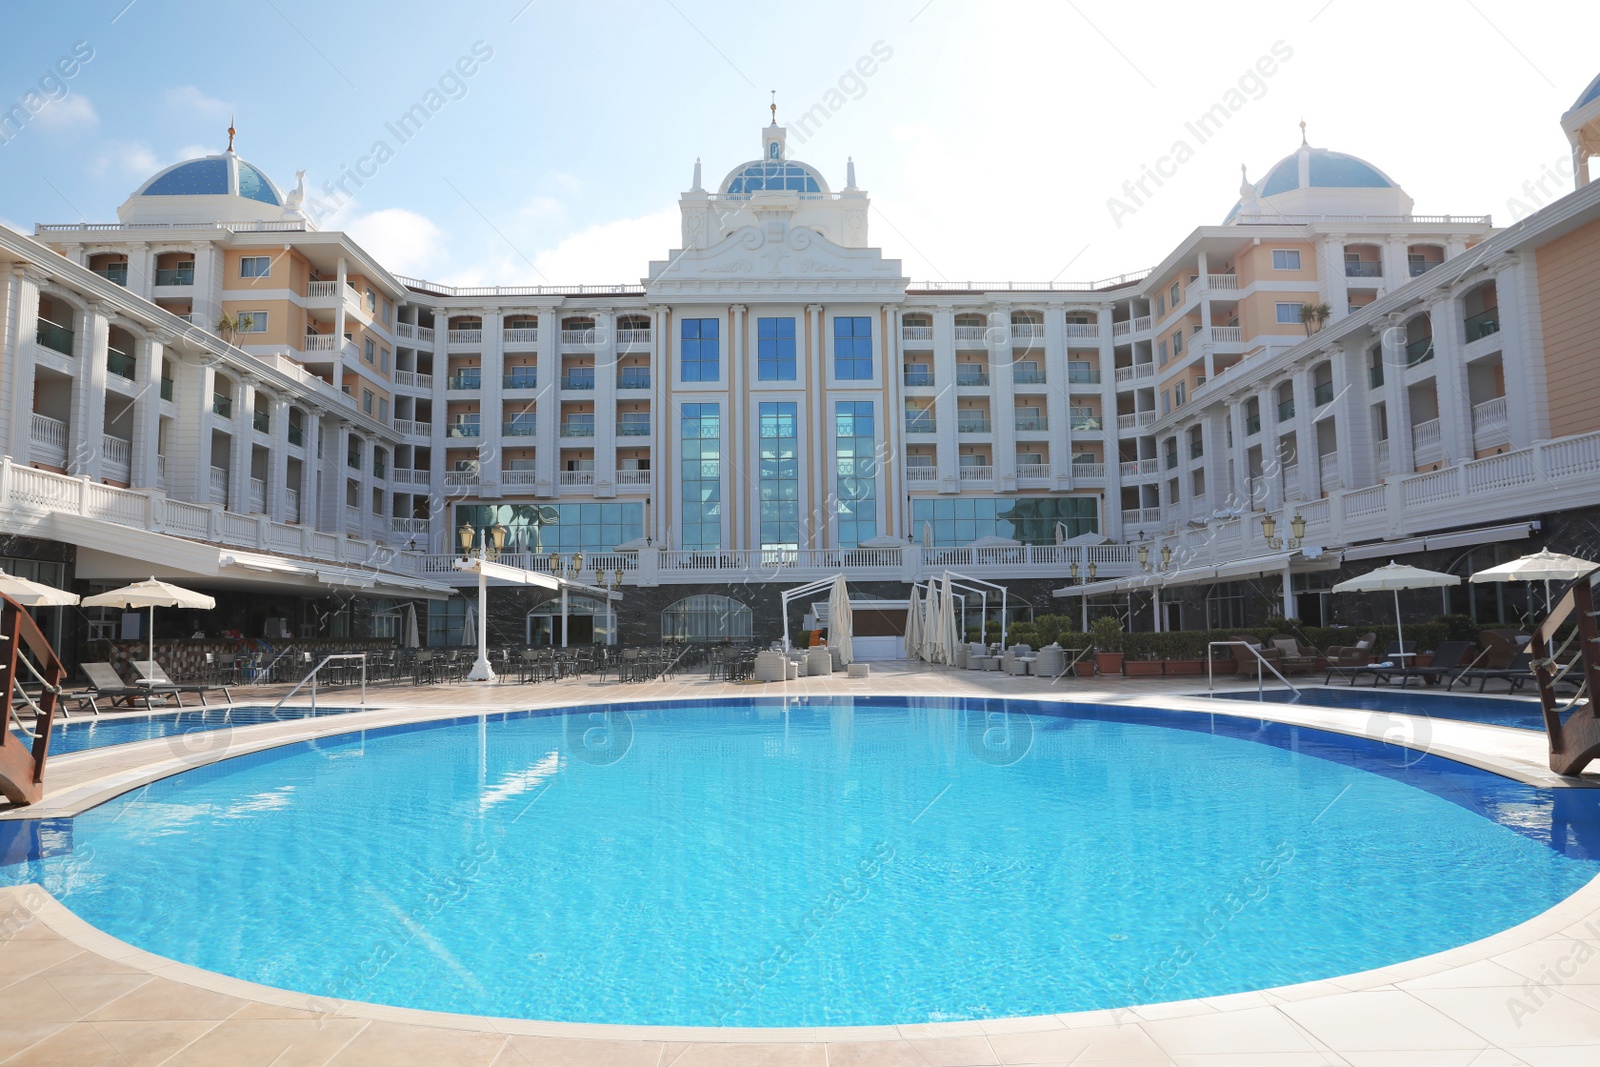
point(1576, 741)
point(22, 769)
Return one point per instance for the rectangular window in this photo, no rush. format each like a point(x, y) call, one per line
point(1161, 304)
point(778, 478)
point(1289, 314)
point(388, 313)
point(366, 401)
point(255, 266)
point(252, 321)
point(961, 520)
point(383, 410)
point(1161, 353)
point(371, 351)
point(775, 350)
point(1179, 394)
point(856, 457)
point(700, 356)
point(383, 359)
point(1174, 296)
point(852, 348)
point(701, 480)
point(1177, 343)
point(1285, 259)
point(372, 302)
point(588, 527)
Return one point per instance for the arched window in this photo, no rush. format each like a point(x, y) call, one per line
point(706, 619)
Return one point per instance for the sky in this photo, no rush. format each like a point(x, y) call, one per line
point(993, 137)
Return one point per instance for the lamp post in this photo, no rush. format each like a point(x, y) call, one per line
point(1269, 530)
point(495, 535)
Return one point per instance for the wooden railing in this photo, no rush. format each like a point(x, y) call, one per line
point(22, 768)
point(1575, 741)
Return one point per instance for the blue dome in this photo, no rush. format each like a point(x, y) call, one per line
point(773, 176)
point(1588, 96)
point(223, 175)
point(1329, 170)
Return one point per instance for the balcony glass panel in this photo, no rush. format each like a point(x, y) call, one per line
point(521, 378)
point(222, 405)
point(578, 378)
point(467, 378)
point(52, 336)
point(121, 364)
point(175, 276)
point(1322, 394)
point(1482, 324)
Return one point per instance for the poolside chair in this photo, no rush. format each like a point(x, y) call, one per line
point(1389, 663)
point(155, 673)
point(1244, 659)
point(1295, 658)
point(1500, 647)
point(1449, 658)
point(1345, 657)
point(1516, 674)
point(106, 684)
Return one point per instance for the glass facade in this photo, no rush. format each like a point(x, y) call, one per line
point(775, 350)
point(578, 527)
point(959, 521)
point(852, 348)
point(856, 467)
point(706, 618)
point(699, 354)
point(778, 483)
point(701, 476)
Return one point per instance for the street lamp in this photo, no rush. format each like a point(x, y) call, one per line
point(1092, 569)
point(577, 564)
point(1269, 530)
point(1144, 557)
point(464, 534)
point(1074, 572)
point(1166, 556)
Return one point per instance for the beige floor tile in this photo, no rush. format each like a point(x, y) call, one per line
point(1479, 1057)
point(268, 1043)
point(955, 1052)
point(1510, 1020)
point(912, 1031)
point(1384, 1019)
point(87, 992)
point(1486, 974)
point(92, 963)
point(1565, 1056)
point(707, 1054)
point(1098, 1045)
point(1253, 1030)
point(1553, 959)
point(146, 1044)
point(18, 1035)
point(36, 1000)
point(162, 999)
point(874, 1054)
point(384, 1044)
point(573, 1052)
point(78, 1045)
point(1259, 1059)
point(35, 955)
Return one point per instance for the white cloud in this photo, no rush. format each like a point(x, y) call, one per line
point(66, 113)
point(189, 98)
point(133, 159)
point(403, 241)
point(609, 252)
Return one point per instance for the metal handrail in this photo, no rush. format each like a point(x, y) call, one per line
point(312, 678)
point(1261, 661)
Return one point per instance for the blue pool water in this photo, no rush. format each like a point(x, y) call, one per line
point(121, 728)
point(821, 861)
point(1522, 714)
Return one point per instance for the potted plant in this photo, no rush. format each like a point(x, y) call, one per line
point(1106, 635)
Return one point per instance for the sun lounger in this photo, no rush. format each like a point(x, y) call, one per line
point(157, 675)
point(1516, 674)
point(106, 684)
point(1449, 658)
point(1392, 659)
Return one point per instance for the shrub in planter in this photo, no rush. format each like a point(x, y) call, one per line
point(1106, 635)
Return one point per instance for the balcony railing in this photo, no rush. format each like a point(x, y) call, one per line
point(352, 520)
point(1227, 335)
point(291, 505)
point(1482, 324)
point(1136, 420)
point(1490, 423)
point(575, 428)
point(927, 473)
point(261, 422)
point(222, 405)
point(1252, 425)
point(1363, 269)
point(1139, 468)
point(524, 427)
point(258, 496)
point(1222, 281)
point(1172, 459)
point(121, 364)
point(1082, 376)
point(464, 428)
point(408, 476)
point(1081, 329)
point(633, 428)
point(1417, 268)
point(633, 477)
point(219, 485)
point(175, 276)
point(297, 435)
point(1328, 472)
point(1027, 377)
point(1197, 449)
point(578, 380)
point(972, 424)
point(970, 334)
point(1419, 351)
point(520, 378)
point(916, 333)
point(467, 479)
point(1322, 393)
point(1291, 481)
point(1079, 470)
point(1086, 423)
point(116, 458)
point(465, 337)
point(52, 336)
point(319, 342)
point(633, 378)
point(1032, 423)
point(1285, 410)
point(921, 424)
point(918, 378)
point(1383, 459)
point(113, 272)
point(969, 473)
point(413, 429)
point(520, 336)
point(471, 378)
point(577, 477)
point(578, 337)
point(1426, 445)
point(1140, 516)
point(633, 338)
point(1137, 370)
point(966, 374)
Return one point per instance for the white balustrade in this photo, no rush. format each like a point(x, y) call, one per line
point(291, 505)
point(219, 485)
point(1328, 472)
point(48, 438)
point(1426, 446)
point(627, 477)
point(1227, 335)
point(116, 458)
point(258, 496)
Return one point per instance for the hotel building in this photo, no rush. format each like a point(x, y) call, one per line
point(212, 389)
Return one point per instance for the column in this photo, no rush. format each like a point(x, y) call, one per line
point(1057, 404)
point(207, 289)
point(1269, 487)
point(244, 417)
point(491, 410)
point(23, 301)
point(605, 402)
point(944, 404)
point(1450, 379)
point(89, 395)
point(664, 424)
point(1002, 399)
point(1527, 402)
point(1305, 433)
point(311, 469)
point(145, 461)
point(890, 459)
point(1331, 284)
point(1396, 398)
point(1396, 268)
point(338, 328)
point(278, 460)
point(547, 406)
point(1350, 418)
point(741, 446)
point(1240, 487)
point(1111, 499)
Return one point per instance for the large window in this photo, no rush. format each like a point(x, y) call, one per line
point(852, 348)
point(255, 267)
point(702, 476)
point(778, 483)
point(705, 619)
point(856, 459)
point(565, 528)
point(775, 350)
point(1289, 314)
point(958, 521)
point(1285, 259)
point(699, 354)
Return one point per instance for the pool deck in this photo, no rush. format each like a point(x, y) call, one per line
point(1528, 995)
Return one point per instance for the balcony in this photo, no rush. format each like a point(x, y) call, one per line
point(219, 485)
point(921, 424)
point(1322, 393)
point(1291, 481)
point(1140, 468)
point(258, 496)
point(519, 427)
point(577, 427)
point(928, 473)
point(1137, 420)
point(352, 520)
point(464, 428)
point(627, 339)
point(1328, 472)
point(121, 364)
point(407, 476)
point(1086, 423)
point(1285, 410)
point(1080, 471)
point(291, 505)
point(633, 427)
point(1482, 324)
point(520, 336)
point(975, 474)
point(1227, 335)
point(1081, 330)
point(1141, 516)
point(1082, 375)
point(297, 435)
point(465, 337)
point(1252, 425)
point(578, 337)
point(413, 429)
point(569, 478)
point(319, 342)
point(1033, 423)
point(56, 338)
point(408, 527)
point(1137, 370)
point(116, 459)
point(1172, 460)
point(462, 479)
point(1197, 449)
point(114, 272)
point(1222, 281)
point(467, 378)
point(972, 424)
point(222, 406)
point(1027, 377)
point(521, 378)
point(1383, 459)
point(970, 335)
point(175, 276)
point(918, 378)
point(414, 380)
point(915, 334)
point(1426, 444)
point(1490, 424)
point(1419, 351)
point(519, 476)
point(1418, 267)
point(578, 379)
point(968, 374)
point(633, 378)
point(1363, 269)
point(633, 477)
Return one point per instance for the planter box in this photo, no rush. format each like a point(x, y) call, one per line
point(1143, 668)
point(1108, 662)
point(1185, 667)
point(1084, 668)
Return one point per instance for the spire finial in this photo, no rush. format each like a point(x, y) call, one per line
point(1302, 131)
point(774, 107)
point(231, 132)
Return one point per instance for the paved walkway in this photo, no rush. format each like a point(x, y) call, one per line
point(1529, 995)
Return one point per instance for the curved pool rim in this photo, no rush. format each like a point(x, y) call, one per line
point(1560, 916)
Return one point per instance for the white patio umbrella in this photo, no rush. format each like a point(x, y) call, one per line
point(931, 651)
point(1542, 566)
point(411, 638)
point(151, 594)
point(947, 620)
point(469, 626)
point(840, 620)
point(927, 535)
point(1393, 578)
point(914, 626)
point(35, 594)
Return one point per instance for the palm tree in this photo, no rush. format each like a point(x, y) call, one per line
point(1314, 317)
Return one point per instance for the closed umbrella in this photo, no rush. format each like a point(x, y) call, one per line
point(1393, 578)
point(840, 620)
point(914, 626)
point(930, 627)
point(151, 594)
point(1542, 566)
point(412, 638)
point(469, 626)
point(947, 620)
point(35, 594)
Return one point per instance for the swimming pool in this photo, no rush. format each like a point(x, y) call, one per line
point(1522, 714)
point(118, 728)
point(820, 861)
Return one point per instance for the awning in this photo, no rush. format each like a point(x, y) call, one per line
point(499, 572)
point(1243, 568)
point(1483, 535)
point(367, 580)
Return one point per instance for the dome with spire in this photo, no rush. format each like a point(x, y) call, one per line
point(220, 188)
point(1320, 181)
